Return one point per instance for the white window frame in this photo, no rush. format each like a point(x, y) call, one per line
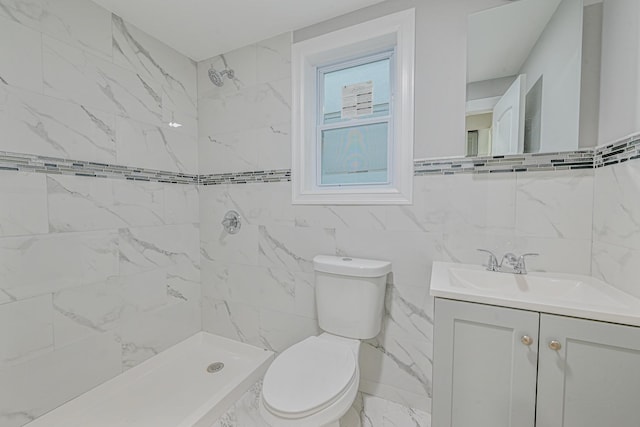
point(392, 32)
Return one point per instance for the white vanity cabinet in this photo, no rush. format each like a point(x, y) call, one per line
point(505, 367)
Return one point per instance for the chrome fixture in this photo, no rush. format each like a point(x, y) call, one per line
point(231, 222)
point(492, 263)
point(514, 264)
point(216, 76)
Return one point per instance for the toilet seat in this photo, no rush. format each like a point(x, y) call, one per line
point(309, 377)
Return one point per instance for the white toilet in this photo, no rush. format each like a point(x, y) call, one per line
point(314, 382)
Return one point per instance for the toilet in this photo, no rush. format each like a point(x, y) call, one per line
point(314, 382)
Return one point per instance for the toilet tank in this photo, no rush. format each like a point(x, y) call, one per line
point(350, 295)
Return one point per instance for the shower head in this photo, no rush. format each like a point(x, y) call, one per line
point(216, 76)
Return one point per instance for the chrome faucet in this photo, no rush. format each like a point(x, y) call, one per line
point(492, 263)
point(515, 264)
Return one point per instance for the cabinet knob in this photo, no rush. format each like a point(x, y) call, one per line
point(555, 345)
point(526, 340)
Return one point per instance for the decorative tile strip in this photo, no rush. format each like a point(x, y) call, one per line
point(276, 175)
point(618, 152)
point(579, 159)
point(53, 165)
point(610, 154)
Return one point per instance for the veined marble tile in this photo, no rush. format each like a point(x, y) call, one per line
point(273, 102)
point(175, 247)
point(274, 146)
point(279, 331)
point(139, 203)
point(149, 333)
point(377, 412)
point(20, 63)
point(340, 217)
point(230, 152)
point(274, 58)
point(155, 147)
point(172, 113)
point(231, 320)
point(224, 114)
point(555, 204)
point(410, 253)
point(81, 204)
point(78, 368)
point(84, 203)
point(617, 265)
point(42, 125)
point(556, 255)
point(401, 355)
point(149, 57)
point(215, 279)
point(25, 329)
point(243, 63)
point(293, 248)
point(270, 288)
point(44, 264)
point(305, 304)
point(181, 204)
point(218, 245)
point(23, 203)
point(95, 308)
point(247, 409)
point(79, 22)
point(402, 397)
point(78, 76)
point(616, 213)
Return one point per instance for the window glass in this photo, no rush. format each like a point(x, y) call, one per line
point(355, 155)
point(377, 72)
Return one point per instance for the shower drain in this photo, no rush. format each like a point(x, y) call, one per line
point(215, 367)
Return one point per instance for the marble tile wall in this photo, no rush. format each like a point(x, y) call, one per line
point(102, 92)
point(616, 226)
point(96, 275)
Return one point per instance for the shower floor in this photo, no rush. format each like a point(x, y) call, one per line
point(184, 386)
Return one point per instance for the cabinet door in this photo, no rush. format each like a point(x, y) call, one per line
point(593, 378)
point(483, 375)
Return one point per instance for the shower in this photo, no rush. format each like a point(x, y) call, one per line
point(216, 76)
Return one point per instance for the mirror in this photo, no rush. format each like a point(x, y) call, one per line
point(524, 78)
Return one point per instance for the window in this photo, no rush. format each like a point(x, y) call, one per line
point(353, 114)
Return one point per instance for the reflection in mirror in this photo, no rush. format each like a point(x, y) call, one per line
point(524, 86)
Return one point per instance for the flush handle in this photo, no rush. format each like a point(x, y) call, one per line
point(526, 340)
point(555, 345)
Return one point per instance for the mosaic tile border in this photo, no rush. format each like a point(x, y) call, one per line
point(618, 152)
point(579, 159)
point(53, 165)
point(276, 175)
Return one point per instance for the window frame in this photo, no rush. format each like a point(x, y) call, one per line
point(393, 33)
point(388, 118)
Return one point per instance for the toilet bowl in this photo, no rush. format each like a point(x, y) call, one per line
point(314, 382)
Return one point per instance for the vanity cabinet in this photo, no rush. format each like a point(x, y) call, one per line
point(504, 367)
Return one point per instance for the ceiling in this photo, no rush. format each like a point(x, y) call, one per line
point(500, 39)
point(201, 29)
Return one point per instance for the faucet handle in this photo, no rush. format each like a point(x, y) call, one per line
point(520, 266)
point(492, 263)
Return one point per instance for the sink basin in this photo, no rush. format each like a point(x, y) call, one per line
point(565, 294)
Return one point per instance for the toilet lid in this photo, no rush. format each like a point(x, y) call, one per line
point(308, 375)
